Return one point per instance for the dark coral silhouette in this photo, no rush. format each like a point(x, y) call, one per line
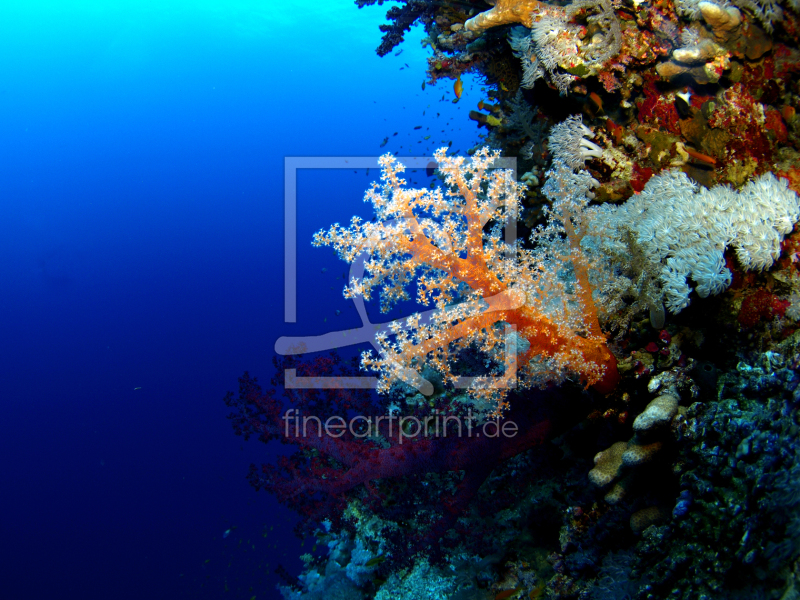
point(318, 478)
point(401, 19)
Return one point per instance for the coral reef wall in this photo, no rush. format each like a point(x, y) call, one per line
point(647, 314)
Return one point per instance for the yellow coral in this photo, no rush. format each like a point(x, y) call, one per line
point(506, 12)
point(607, 464)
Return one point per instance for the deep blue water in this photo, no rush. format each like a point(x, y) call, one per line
point(141, 234)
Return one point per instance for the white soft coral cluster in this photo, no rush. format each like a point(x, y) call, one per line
point(568, 142)
point(686, 229)
point(540, 49)
point(553, 46)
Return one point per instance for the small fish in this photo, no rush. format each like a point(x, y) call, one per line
point(323, 269)
point(399, 52)
point(682, 105)
point(406, 64)
point(458, 87)
point(375, 560)
point(226, 534)
point(537, 592)
point(423, 86)
point(704, 158)
point(598, 102)
point(138, 388)
point(507, 593)
point(394, 134)
point(338, 312)
point(427, 137)
point(384, 142)
point(418, 127)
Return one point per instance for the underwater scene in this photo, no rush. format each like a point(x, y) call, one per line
point(400, 300)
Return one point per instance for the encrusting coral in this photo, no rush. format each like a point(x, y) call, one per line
point(620, 464)
point(436, 238)
point(506, 12)
point(768, 12)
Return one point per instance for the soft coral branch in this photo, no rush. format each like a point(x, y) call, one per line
point(437, 237)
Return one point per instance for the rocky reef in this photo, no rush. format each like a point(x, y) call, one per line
point(670, 129)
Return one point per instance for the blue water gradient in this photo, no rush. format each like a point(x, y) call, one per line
point(141, 236)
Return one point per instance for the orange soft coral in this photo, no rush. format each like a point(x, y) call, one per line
point(436, 238)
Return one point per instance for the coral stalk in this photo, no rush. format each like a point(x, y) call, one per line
point(437, 239)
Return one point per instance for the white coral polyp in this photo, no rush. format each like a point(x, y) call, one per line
point(712, 275)
point(687, 229)
point(568, 143)
point(682, 229)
